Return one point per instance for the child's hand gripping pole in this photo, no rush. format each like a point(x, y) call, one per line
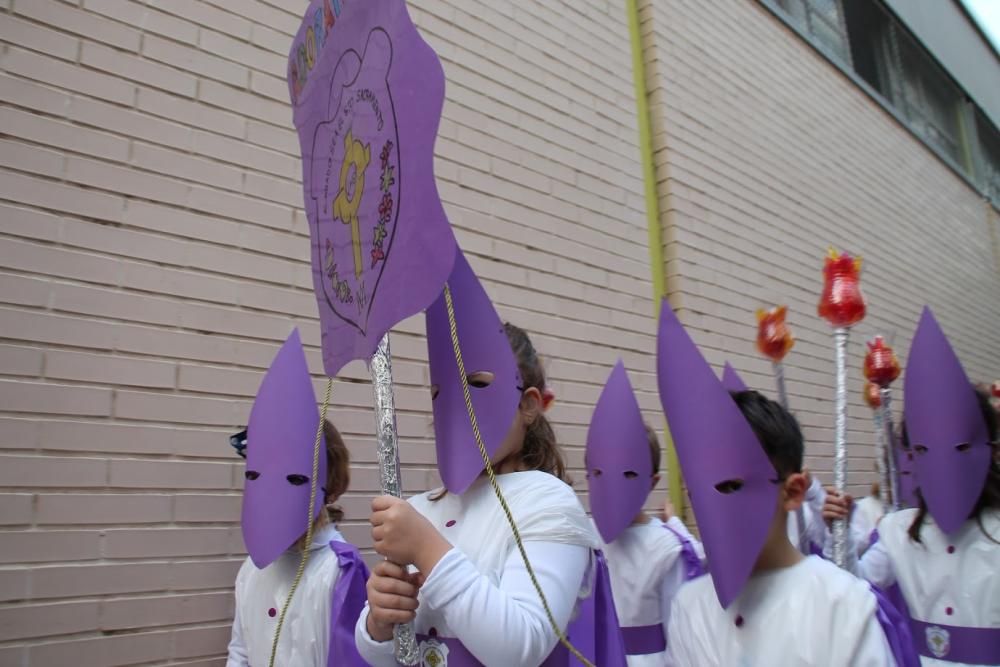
point(388, 465)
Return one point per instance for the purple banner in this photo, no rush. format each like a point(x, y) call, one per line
point(367, 93)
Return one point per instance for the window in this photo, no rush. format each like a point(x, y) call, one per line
point(823, 20)
point(866, 39)
point(989, 140)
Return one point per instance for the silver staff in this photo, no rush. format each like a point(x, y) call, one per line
point(840, 335)
point(889, 437)
point(388, 468)
point(884, 485)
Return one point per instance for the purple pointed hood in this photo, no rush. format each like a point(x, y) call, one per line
point(946, 429)
point(618, 460)
point(715, 445)
point(280, 438)
point(485, 347)
point(731, 380)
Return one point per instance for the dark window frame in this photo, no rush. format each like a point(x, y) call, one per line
point(975, 171)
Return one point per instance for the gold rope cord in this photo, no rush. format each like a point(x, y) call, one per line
point(493, 480)
point(309, 529)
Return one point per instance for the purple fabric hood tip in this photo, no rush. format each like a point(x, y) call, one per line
point(280, 438)
point(729, 477)
point(488, 359)
point(946, 429)
point(618, 461)
point(731, 380)
point(367, 94)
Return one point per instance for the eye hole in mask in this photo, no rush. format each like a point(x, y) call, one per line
point(630, 474)
point(963, 447)
point(480, 379)
point(297, 480)
point(729, 486)
point(435, 390)
point(920, 449)
point(596, 472)
point(251, 474)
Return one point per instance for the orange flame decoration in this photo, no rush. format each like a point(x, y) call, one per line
point(873, 397)
point(881, 364)
point(842, 304)
point(774, 338)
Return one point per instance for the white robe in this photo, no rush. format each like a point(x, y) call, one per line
point(809, 614)
point(479, 592)
point(934, 581)
point(646, 570)
point(305, 635)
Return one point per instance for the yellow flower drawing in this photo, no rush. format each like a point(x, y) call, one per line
point(348, 199)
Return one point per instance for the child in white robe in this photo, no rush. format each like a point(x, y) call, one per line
point(280, 448)
point(945, 554)
point(472, 601)
point(648, 562)
point(763, 603)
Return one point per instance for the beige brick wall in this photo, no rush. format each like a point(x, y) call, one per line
point(153, 255)
point(766, 155)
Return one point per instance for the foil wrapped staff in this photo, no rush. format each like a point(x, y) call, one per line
point(881, 368)
point(842, 305)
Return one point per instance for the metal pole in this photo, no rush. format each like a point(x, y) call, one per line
point(886, 394)
point(840, 336)
point(388, 468)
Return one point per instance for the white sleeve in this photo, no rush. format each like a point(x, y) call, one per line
point(237, 648)
point(376, 654)
point(679, 526)
point(485, 617)
point(876, 567)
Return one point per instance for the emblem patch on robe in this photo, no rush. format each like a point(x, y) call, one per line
point(938, 641)
point(433, 653)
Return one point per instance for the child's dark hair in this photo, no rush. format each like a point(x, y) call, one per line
point(338, 470)
point(776, 429)
point(540, 450)
point(990, 496)
point(654, 447)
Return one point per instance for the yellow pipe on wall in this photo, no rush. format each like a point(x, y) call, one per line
point(656, 263)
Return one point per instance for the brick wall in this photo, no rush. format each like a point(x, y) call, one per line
point(153, 255)
point(766, 155)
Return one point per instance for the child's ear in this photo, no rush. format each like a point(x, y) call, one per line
point(794, 491)
point(531, 405)
point(656, 480)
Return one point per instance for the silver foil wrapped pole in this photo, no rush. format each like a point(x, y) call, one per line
point(800, 518)
point(388, 468)
point(884, 485)
point(840, 336)
point(890, 441)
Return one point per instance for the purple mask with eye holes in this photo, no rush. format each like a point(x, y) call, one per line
point(948, 435)
point(495, 383)
point(619, 463)
point(731, 380)
point(280, 438)
point(728, 475)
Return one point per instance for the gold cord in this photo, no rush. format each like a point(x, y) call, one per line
point(309, 530)
point(493, 480)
